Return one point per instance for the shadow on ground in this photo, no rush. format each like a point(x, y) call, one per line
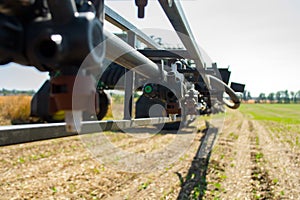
point(194, 185)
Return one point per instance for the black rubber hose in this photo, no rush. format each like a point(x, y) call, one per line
point(235, 99)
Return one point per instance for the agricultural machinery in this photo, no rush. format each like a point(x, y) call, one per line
point(66, 38)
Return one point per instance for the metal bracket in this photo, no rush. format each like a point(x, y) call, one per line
point(129, 82)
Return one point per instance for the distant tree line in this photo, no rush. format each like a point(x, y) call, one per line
point(283, 96)
point(5, 92)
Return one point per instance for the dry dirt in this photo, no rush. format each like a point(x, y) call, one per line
point(247, 162)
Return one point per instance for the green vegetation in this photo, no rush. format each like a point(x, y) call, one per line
point(233, 136)
point(5, 92)
point(275, 181)
point(282, 120)
point(144, 185)
point(118, 98)
point(258, 156)
point(197, 192)
point(54, 189)
point(21, 160)
point(282, 113)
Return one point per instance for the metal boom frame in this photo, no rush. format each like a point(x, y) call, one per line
point(115, 46)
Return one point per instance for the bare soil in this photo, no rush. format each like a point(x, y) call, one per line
point(248, 161)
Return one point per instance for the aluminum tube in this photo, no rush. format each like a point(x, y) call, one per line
point(17, 134)
point(120, 22)
point(123, 54)
point(179, 22)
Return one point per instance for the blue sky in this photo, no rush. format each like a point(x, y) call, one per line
point(259, 39)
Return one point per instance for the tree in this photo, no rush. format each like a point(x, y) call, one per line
point(297, 97)
point(278, 97)
point(286, 96)
point(292, 96)
point(246, 95)
point(271, 97)
point(5, 92)
point(262, 97)
point(249, 95)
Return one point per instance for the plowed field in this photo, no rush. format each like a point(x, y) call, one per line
point(256, 156)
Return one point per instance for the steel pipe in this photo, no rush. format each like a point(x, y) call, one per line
point(120, 22)
point(179, 22)
point(123, 54)
point(17, 134)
